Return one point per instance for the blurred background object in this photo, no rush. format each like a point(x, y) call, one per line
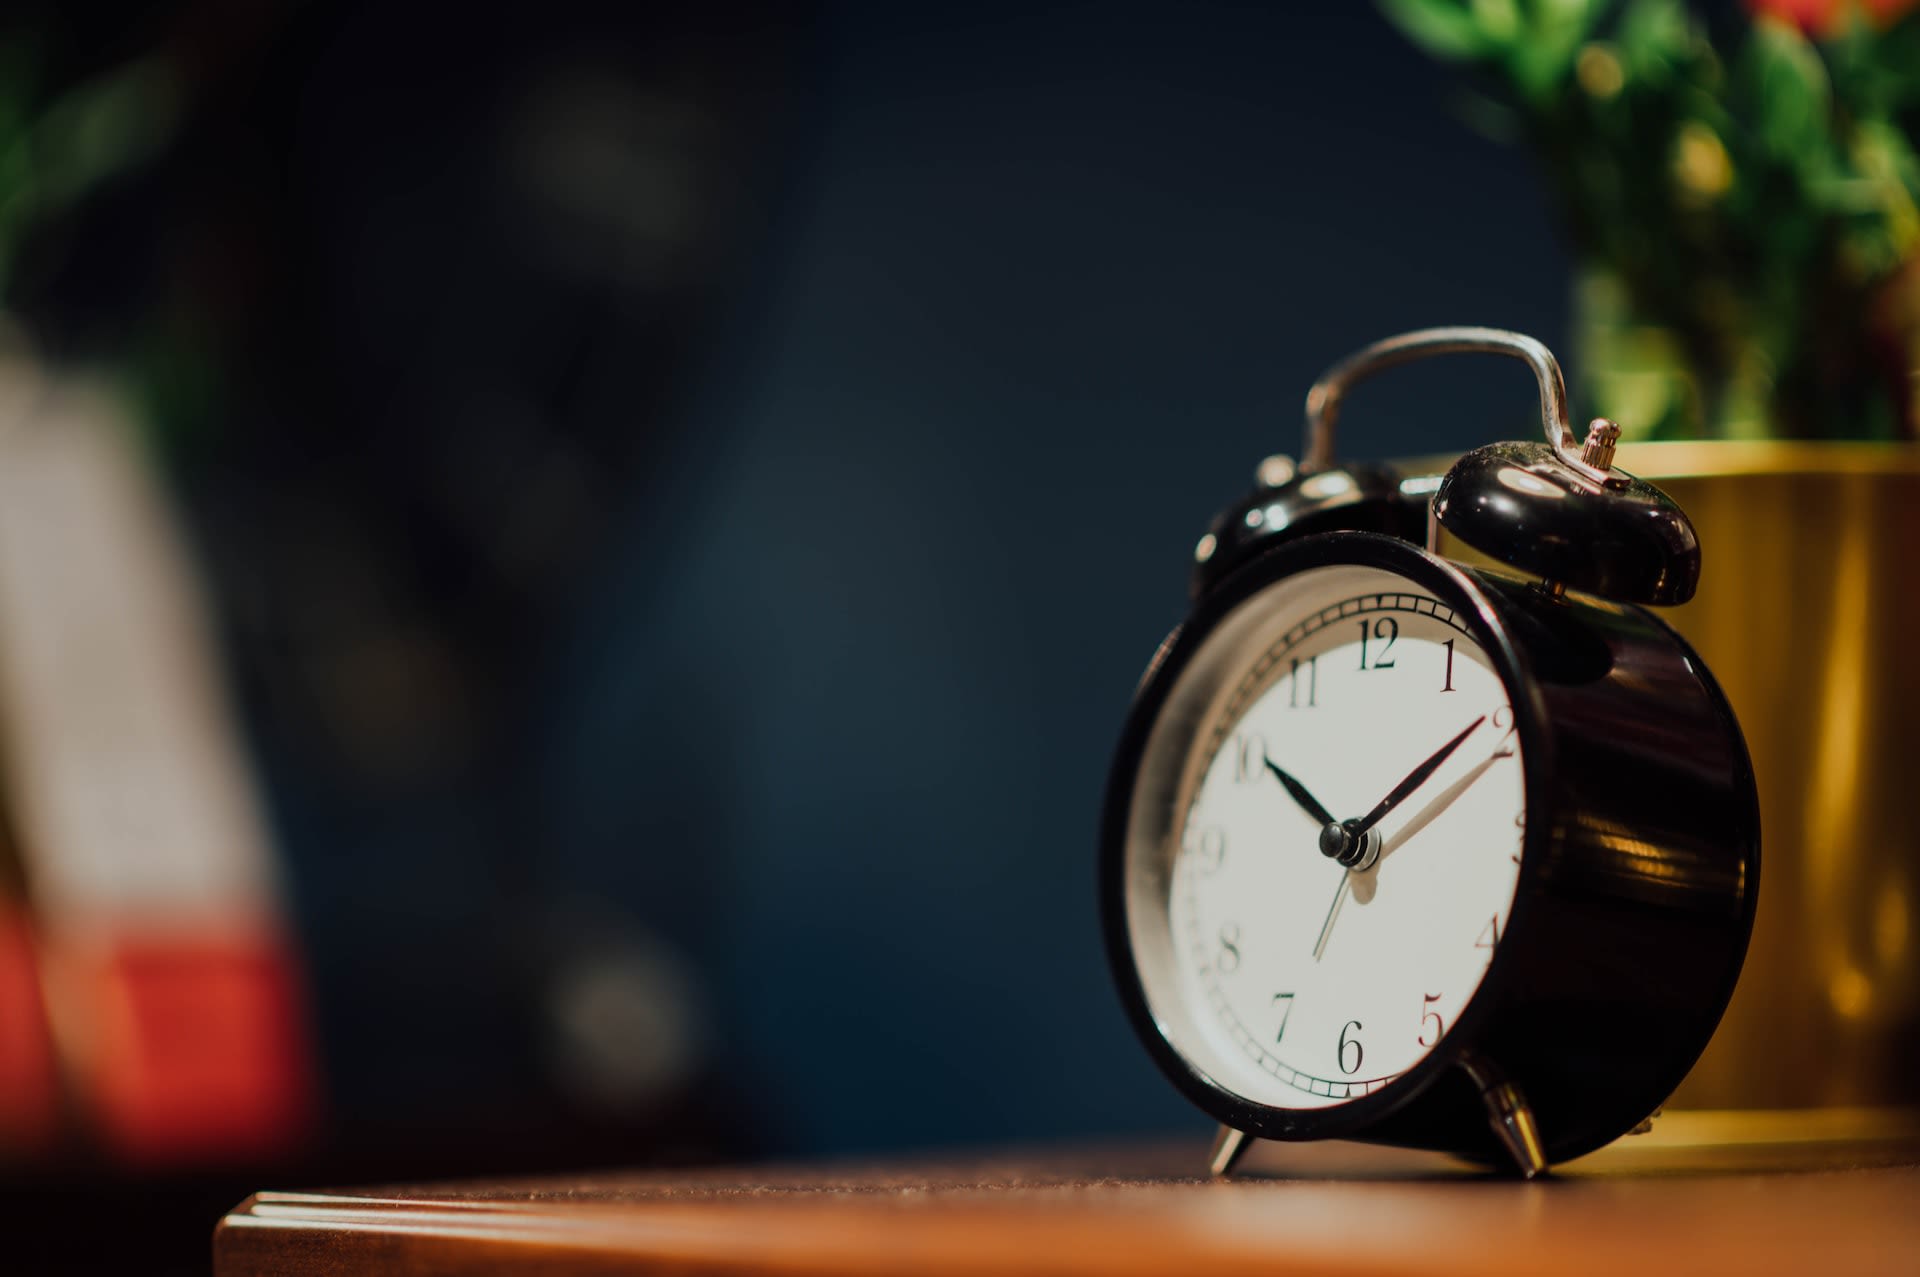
point(156, 925)
point(682, 494)
point(1741, 202)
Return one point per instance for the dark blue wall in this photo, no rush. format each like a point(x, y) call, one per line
point(1040, 290)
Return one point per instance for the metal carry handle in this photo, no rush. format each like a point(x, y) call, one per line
point(1324, 399)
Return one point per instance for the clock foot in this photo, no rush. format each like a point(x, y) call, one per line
point(1229, 1146)
point(1511, 1118)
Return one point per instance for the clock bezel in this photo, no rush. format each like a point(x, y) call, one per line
point(1481, 615)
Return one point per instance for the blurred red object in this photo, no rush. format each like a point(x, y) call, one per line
point(1825, 17)
point(172, 993)
point(29, 1085)
point(200, 1050)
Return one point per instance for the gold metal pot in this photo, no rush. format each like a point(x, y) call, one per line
point(1809, 614)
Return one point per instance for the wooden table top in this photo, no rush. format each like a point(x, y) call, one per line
point(1809, 1195)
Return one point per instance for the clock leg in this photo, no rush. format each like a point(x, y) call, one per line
point(1229, 1146)
point(1510, 1116)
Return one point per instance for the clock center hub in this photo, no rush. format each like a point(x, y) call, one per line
point(1357, 851)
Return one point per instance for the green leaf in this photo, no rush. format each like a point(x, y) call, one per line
point(1891, 68)
point(1542, 61)
point(1788, 91)
point(19, 77)
point(1883, 152)
point(1883, 230)
point(1657, 40)
point(1444, 28)
point(1487, 117)
point(1499, 20)
point(101, 128)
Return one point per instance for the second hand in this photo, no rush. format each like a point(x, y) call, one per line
point(1326, 928)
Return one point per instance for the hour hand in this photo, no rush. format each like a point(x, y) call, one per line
point(1308, 803)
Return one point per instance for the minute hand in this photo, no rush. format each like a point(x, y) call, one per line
point(1415, 778)
point(1440, 802)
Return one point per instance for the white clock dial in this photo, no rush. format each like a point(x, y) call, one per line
point(1302, 983)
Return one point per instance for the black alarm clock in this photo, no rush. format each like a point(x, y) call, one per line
point(1402, 850)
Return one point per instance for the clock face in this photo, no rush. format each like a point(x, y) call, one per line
point(1344, 696)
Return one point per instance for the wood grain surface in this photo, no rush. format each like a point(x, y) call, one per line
point(1794, 1198)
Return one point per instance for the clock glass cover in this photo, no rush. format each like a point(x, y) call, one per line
point(1325, 838)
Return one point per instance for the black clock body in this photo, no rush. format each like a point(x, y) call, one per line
point(1639, 867)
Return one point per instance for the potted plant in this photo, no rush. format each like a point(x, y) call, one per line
point(1743, 212)
point(1742, 202)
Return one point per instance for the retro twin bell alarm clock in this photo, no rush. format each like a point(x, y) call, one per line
point(1401, 850)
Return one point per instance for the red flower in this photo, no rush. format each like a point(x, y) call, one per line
point(1824, 17)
